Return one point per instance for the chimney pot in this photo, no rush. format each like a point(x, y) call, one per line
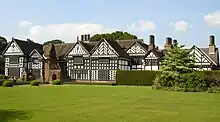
point(212, 40)
point(212, 44)
point(82, 37)
point(151, 42)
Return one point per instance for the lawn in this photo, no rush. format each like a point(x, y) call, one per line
point(82, 103)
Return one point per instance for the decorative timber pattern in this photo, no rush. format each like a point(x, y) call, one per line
point(14, 49)
point(201, 60)
point(104, 50)
point(136, 49)
point(77, 50)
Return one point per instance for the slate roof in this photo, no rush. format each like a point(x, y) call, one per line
point(118, 49)
point(214, 57)
point(28, 46)
point(61, 49)
point(88, 45)
point(126, 44)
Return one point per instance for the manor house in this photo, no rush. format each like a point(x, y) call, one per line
point(87, 60)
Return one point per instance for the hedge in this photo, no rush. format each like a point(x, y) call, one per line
point(135, 77)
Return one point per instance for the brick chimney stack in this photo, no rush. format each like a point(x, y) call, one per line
point(151, 42)
point(212, 44)
point(168, 44)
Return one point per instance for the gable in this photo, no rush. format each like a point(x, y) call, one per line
point(104, 50)
point(151, 55)
point(13, 49)
point(35, 54)
point(136, 49)
point(78, 50)
point(199, 57)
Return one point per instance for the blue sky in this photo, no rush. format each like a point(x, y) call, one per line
point(64, 19)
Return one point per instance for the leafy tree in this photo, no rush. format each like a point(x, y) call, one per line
point(118, 35)
point(56, 41)
point(178, 60)
point(177, 72)
point(3, 44)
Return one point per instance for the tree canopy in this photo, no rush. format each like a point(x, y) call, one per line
point(55, 41)
point(118, 35)
point(3, 44)
point(178, 60)
point(177, 72)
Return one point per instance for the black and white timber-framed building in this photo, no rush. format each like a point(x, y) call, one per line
point(23, 56)
point(87, 60)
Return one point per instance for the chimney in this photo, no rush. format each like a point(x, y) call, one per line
point(168, 44)
point(77, 39)
point(88, 37)
point(151, 42)
point(212, 44)
point(82, 37)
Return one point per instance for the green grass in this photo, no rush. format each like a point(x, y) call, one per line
point(81, 103)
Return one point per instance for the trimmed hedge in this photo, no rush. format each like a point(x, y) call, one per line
point(57, 82)
point(35, 83)
point(7, 84)
point(135, 77)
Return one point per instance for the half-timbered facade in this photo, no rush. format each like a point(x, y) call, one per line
point(20, 56)
point(206, 58)
point(94, 61)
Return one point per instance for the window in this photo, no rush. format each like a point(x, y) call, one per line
point(78, 60)
point(103, 60)
point(35, 61)
point(137, 61)
point(14, 59)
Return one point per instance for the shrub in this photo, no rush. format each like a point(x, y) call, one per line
point(186, 82)
point(57, 82)
point(8, 84)
point(138, 78)
point(35, 83)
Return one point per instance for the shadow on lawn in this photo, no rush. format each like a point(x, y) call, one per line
point(11, 115)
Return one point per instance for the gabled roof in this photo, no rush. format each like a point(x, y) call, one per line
point(158, 53)
point(88, 45)
point(61, 49)
point(27, 46)
point(212, 57)
point(114, 45)
point(126, 44)
point(34, 50)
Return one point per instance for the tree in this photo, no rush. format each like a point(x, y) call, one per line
point(3, 44)
point(56, 41)
point(177, 72)
point(178, 60)
point(118, 35)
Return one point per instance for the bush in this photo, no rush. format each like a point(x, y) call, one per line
point(57, 82)
point(186, 82)
point(35, 83)
point(138, 78)
point(8, 84)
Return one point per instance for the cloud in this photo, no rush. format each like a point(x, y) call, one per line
point(66, 32)
point(213, 18)
point(25, 24)
point(142, 25)
point(181, 25)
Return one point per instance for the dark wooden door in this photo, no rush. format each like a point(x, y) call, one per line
point(14, 72)
point(103, 75)
point(36, 73)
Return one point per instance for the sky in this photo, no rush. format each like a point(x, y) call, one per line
point(191, 22)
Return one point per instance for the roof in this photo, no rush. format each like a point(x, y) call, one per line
point(28, 46)
point(61, 49)
point(88, 45)
point(125, 44)
point(214, 57)
point(118, 49)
